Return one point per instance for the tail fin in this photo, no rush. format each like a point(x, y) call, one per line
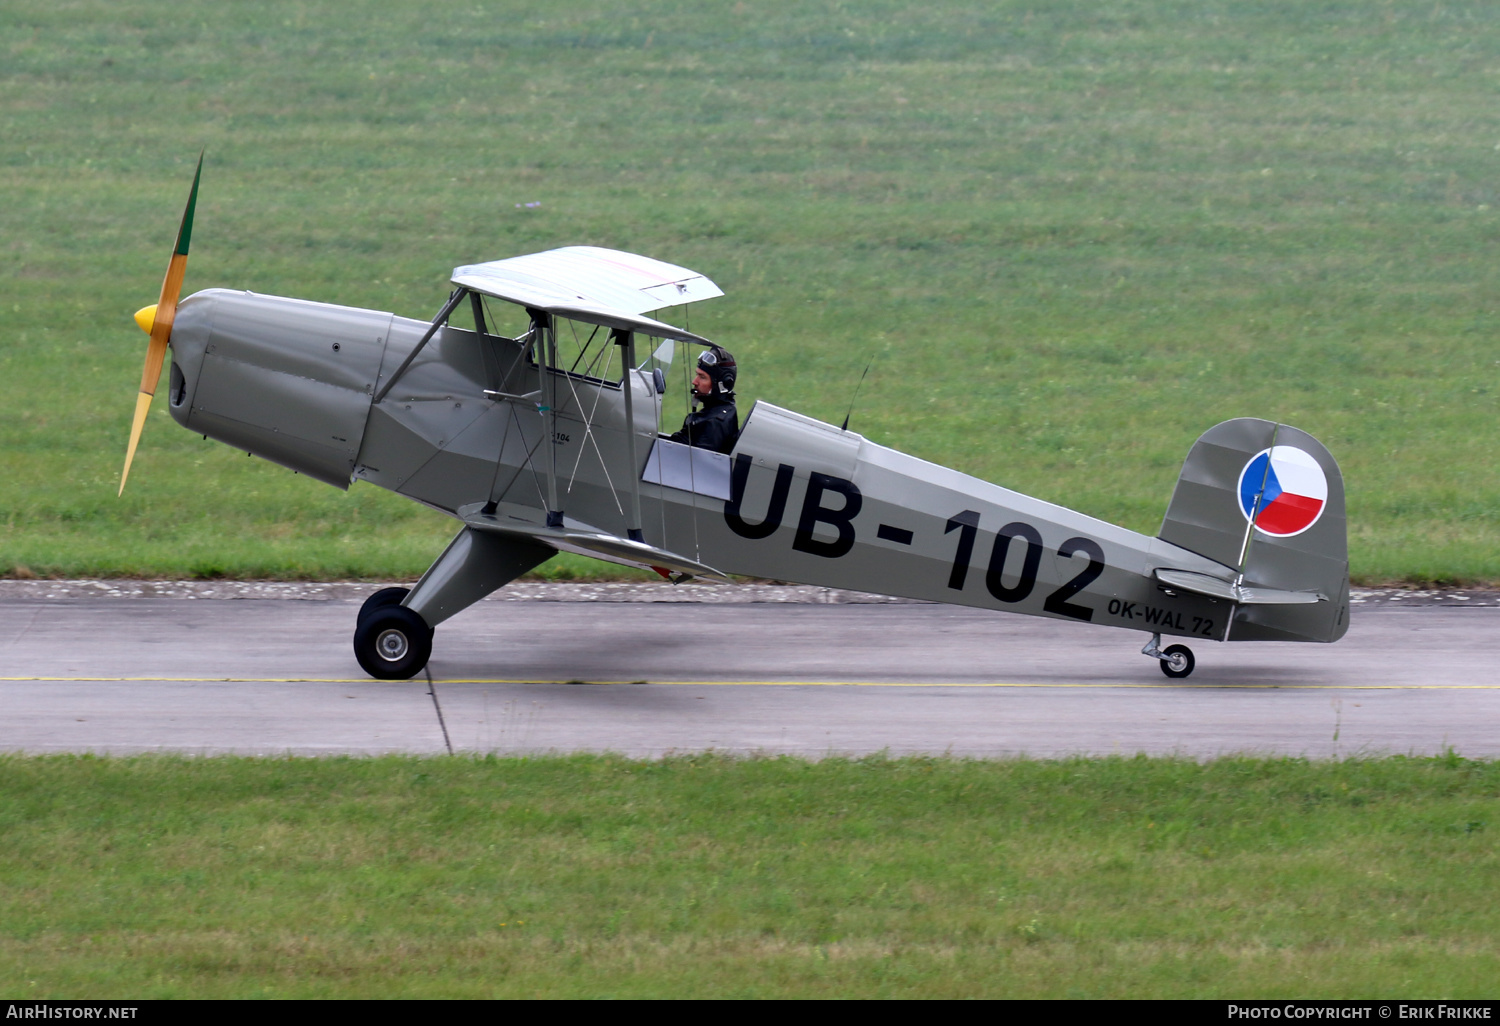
point(1267, 500)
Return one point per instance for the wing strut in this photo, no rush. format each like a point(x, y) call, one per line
point(546, 360)
point(626, 341)
point(437, 322)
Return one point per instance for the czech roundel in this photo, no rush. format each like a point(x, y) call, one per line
point(1295, 491)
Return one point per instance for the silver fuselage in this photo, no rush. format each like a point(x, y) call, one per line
point(294, 382)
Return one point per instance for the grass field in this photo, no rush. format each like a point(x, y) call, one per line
point(1071, 236)
point(599, 876)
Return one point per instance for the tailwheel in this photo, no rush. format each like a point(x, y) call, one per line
point(1177, 661)
point(392, 642)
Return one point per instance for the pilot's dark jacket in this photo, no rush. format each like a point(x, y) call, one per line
point(716, 426)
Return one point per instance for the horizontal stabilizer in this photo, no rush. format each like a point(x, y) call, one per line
point(1245, 595)
point(584, 540)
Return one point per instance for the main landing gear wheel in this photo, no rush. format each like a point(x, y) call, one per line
point(1177, 661)
point(392, 642)
point(383, 597)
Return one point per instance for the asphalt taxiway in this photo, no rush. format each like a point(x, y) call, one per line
point(267, 669)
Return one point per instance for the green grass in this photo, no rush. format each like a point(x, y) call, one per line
point(598, 876)
point(1073, 236)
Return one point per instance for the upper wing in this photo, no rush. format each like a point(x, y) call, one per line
point(593, 285)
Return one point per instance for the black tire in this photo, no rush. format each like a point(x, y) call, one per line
point(1178, 656)
point(383, 597)
point(392, 643)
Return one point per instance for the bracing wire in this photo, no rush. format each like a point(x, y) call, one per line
point(588, 436)
point(530, 462)
point(583, 350)
point(523, 345)
point(499, 455)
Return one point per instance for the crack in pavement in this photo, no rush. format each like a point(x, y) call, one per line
point(432, 690)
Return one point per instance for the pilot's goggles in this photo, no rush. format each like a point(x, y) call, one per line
point(707, 358)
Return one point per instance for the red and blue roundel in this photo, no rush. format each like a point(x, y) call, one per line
point(1283, 491)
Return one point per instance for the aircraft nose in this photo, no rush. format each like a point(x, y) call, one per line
point(145, 317)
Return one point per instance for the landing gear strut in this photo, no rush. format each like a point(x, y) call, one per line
point(1176, 660)
point(394, 638)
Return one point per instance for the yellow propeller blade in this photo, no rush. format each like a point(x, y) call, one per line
point(160, 320)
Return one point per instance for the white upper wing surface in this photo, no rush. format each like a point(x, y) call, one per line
point(587, 283)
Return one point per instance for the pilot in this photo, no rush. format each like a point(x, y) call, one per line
point(717, 425)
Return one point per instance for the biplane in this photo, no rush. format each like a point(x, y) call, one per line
point(547, 439)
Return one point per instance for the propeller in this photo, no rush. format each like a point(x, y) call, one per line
point(157, 322)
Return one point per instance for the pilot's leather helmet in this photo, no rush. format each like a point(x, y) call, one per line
point(716, 362)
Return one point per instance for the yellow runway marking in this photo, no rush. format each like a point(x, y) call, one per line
point(1179, 686)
